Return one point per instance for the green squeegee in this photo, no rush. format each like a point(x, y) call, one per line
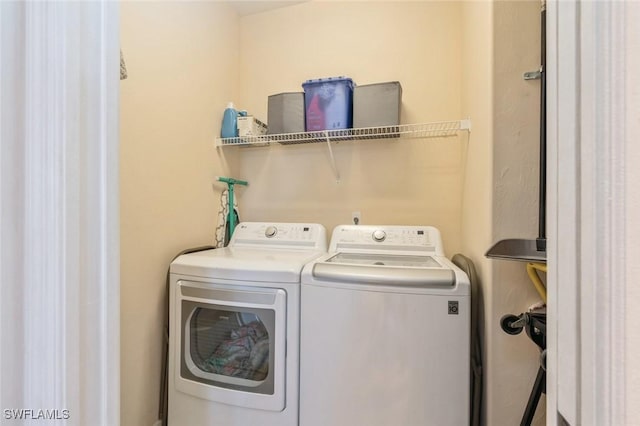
point(231, 217)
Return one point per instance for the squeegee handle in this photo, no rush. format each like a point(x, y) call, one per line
point(232, 213)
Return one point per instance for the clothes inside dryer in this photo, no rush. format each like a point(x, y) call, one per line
point(234, 344)
point(229, 346)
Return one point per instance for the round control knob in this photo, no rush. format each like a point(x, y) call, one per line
point(379, 235)
point(270, 231)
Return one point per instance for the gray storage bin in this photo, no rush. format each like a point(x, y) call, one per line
point(285, 113)
point(377, 104)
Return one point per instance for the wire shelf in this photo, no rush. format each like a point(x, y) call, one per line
point(405, 131)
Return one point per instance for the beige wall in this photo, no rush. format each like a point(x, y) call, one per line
point(182, 60)
point(516, 121)
point(390, 181)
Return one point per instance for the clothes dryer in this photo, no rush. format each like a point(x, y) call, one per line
point(234, 327)
point(385, 331)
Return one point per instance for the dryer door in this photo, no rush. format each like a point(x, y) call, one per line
point(232, 344)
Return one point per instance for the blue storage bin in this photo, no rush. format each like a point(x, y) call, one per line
point(328, 103)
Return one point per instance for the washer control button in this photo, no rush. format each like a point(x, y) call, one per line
point(271, 231)
point(379, 235)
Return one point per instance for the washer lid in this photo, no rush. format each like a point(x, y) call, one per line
point(373, 274)
point(245, 264)
point(384, 260)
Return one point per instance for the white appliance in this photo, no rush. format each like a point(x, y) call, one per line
point(384, 331)
point(234, 327)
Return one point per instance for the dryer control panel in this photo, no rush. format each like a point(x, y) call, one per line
point(265, 234)
point(391, 238)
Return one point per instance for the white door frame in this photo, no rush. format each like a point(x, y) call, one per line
point(589, 188)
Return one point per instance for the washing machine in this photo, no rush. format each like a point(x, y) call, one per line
point(385, 331)
point(234, 327)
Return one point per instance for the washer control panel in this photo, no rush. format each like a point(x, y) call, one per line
point(279, 234)
point(391, 238)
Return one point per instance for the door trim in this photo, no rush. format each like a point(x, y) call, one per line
point(588, 184)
